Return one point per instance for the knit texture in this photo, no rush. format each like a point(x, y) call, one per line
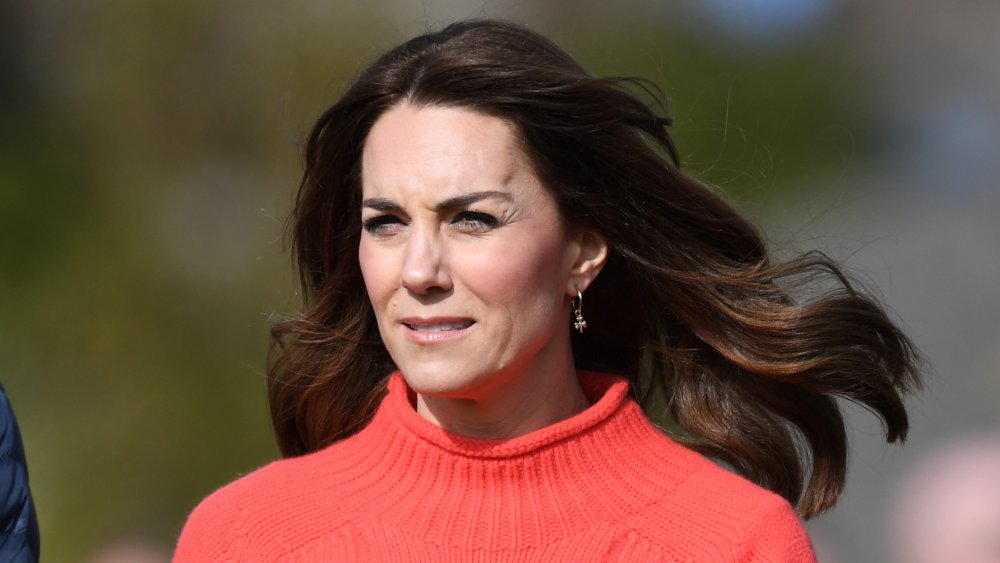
point(604, 485)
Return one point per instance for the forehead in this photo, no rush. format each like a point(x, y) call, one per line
point(441, 145)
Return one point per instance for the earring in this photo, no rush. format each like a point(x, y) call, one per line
point(579, 324)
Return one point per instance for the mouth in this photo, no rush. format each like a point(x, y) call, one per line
point(434, 330)
point(439, 327)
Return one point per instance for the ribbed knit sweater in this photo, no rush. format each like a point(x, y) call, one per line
point(603, 485)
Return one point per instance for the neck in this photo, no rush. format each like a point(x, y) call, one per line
point(510, 412)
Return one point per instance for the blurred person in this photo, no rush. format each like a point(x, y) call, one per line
point(507, 278)
point(948, 506)
point(130, 551)
point(19, 537)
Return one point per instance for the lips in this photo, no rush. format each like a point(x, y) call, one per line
point(437, 329)
point(440, 327)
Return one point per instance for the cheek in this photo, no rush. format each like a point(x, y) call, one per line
point(521, 271)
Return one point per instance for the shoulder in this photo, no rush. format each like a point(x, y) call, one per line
point(244, 519)
point(716, 515)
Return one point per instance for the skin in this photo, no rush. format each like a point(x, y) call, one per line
point(470, 271)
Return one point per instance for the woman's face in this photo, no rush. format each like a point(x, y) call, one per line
point(466, 261)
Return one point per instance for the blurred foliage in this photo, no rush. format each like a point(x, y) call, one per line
point(149, 156)
point(753, 122)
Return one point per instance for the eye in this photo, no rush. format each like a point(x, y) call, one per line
point(475, 221)
point(382, 225)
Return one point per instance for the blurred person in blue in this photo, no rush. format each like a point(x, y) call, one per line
point(19, 537)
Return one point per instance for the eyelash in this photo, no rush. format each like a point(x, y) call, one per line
point(476, 221)
point(376, 224)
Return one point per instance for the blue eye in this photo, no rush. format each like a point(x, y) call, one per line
point(475, 221)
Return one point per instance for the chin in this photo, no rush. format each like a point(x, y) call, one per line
point(441, 381)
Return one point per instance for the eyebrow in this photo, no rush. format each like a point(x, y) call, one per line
point(383, 204)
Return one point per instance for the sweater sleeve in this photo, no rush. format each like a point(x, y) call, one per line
point(779, 537)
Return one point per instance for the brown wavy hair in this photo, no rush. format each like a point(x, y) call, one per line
point(745, 355)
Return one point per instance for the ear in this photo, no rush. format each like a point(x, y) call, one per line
point(591, 254)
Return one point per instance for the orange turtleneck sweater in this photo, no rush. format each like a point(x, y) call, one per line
point(604, 485)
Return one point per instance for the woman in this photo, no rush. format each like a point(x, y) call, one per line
point(505, 279)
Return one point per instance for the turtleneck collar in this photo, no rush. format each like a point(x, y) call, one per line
point(606, 393)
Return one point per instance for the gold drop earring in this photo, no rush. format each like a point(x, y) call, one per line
point(579, 324)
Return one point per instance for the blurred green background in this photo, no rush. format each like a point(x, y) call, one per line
point(149, 153)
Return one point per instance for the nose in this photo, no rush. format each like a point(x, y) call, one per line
point(424, 264)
